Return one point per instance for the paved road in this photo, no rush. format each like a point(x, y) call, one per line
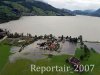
point(3, 39)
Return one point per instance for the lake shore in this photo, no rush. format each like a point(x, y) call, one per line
point(58, 25)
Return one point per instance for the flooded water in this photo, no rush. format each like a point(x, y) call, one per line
point(95, 46)
point(87, 26)
point(34, 53)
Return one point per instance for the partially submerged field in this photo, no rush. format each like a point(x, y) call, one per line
point(22, 67)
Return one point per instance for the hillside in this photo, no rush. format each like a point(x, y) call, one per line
point(95, 13)
point(14, 9)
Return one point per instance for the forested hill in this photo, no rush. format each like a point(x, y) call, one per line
point(14, 9)
point(95, 13)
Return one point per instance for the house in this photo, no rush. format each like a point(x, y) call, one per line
point(74, 61)
point(75, 64)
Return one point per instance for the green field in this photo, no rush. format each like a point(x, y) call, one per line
point(93, 59)
point(22, 67)
point(4, 55)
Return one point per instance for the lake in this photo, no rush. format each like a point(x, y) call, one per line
point(87, 26)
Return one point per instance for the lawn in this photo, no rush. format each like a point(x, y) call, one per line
point(4, 55)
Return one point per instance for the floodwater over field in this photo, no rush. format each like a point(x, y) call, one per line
point(34, 53)
point(87, 26)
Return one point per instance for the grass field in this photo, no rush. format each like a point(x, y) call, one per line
point(93, 59)
point(4, 54)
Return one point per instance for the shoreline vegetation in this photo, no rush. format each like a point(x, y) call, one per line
point(82, 53)
point(21, 40)
point(5, 32)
